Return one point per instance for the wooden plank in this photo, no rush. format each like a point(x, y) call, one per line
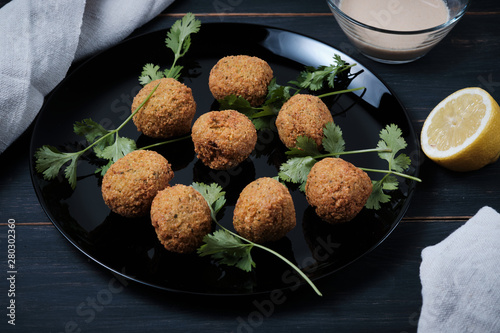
point(241, 6)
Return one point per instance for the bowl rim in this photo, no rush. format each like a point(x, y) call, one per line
point(450, 21)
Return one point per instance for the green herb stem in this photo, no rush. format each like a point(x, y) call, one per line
point(176, 57)
point(389, 172)
point(339, 92)
point(361, 151)
point(122, 124)
point(165, 142)
point(138, 108)
point(302, 274)
point(263, 113)
point(346, 67)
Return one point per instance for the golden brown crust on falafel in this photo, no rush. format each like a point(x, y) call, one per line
point(169, 112)
point(241, 75)
point(302, 115)
point(223, 139)
point(131, 183)
point(264, 211)
point(337, 189)
point(181, 218)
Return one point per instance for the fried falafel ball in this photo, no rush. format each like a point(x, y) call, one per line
point(223, 139)
point(131, 183)
point(241, 75)
point(302, 115)
point(264, 211)
point(169, 111)
point(337, 189)
point(181, 218)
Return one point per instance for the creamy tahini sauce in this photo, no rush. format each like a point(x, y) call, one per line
point(400, 15)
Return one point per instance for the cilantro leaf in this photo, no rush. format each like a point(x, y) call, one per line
point(390, 183)
point(401, 163)
point(214, 196)
point(238, 103)
point(262, 123)
point(306, 153)
point(314, 78)
point(259, 116)
point(391, 142)
point(121, 147)
point(391, 139)
point(377, 197)
point(70, 171)
point(178, 37)
point(227, 249)
point(305, 146)
point(49, 160)
point(296, 170)
point(223, 245)
point(174, 72)
point(277, 94)
point(179, 40)
point(92, 131)
point(103, 169)
point(113, 152)
point(89, 129)
point(111, 147)
point(150, 73)
point(333, 141)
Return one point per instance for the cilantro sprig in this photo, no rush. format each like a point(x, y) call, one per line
point(311, 78)
point(106, 144)
point(222, 244)
point(315, 78)
point(228, 247)
point(178, 40)
point(390, 138)
point(306, 154)
point(110, 146)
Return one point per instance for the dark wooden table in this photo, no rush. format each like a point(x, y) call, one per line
point(58, 289)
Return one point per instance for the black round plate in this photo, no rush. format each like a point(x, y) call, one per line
point(103, 88)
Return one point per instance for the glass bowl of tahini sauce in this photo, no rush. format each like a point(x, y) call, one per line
point(397, 31)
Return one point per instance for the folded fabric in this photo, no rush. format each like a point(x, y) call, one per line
point(461, 278)
point(39, 40)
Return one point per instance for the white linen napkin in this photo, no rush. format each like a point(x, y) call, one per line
point(40, 39)
point(461, 278)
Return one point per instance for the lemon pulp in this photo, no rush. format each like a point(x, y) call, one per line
point(458, 120)
point(462, 132)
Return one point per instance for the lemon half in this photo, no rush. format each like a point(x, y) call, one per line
point(462, 133)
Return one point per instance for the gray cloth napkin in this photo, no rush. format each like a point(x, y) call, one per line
point(461, 278)
point(39, 40)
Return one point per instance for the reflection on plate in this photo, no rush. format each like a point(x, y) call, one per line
point(103, 88)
